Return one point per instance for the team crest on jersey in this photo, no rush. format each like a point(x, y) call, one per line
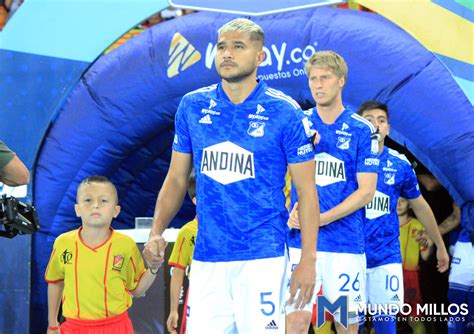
point(389, 179)
point(118, 262)
point(66, 257)
point(343, 143)
point(256, 129)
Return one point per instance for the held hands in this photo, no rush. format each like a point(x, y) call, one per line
point(293, 221)
point(302, 284)
point(154, 252)
point(424, 240)
point(172, 322)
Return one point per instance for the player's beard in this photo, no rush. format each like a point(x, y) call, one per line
point(237, 77)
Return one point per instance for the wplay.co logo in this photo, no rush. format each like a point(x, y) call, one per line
point(182, 55)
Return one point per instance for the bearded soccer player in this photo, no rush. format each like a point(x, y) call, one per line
point(346, 175)
point(240, 135)
point(384, 262)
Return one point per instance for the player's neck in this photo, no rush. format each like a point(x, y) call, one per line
point(239, 91)
point(330, 113)
point(94, 236)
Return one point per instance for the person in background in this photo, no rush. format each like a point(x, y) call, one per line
point(13, 171)
point(180, 259)
point(413, 244)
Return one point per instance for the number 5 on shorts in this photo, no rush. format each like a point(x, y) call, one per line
point(266, 304)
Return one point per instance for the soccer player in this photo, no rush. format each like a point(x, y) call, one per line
point(346, 176)
point(94, 271)
point(384, 263)
point(180, 259)
point(241, 135)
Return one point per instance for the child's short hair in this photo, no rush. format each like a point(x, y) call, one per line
point(192, 185)
point(97, 179)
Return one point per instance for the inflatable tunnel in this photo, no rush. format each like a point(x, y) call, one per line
point(118, 121)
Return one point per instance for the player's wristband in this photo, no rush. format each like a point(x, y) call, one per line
point(56, 328)
point(154, 273)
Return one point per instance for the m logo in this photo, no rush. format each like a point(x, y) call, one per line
point(329, 169)
point(182, 55)
point(389, 163)
point(344, 126)
point(324, 305)
point(227, 163)
point(379, 206)
point(260, 109)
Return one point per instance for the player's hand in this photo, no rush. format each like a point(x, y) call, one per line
point(154, 252)
point(443, 259)
point(172, 322)
point(302, 284)
point(293, 221)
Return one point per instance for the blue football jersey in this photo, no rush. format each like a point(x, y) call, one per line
point(240, 156)
point(347, 147)
point(396, 178)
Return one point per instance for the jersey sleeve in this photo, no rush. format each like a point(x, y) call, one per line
point(182, 141)
point(136, 269)
point(55, 269)
point(295, 140)
point(367, 152)
point(180, 254)
point(410, 188)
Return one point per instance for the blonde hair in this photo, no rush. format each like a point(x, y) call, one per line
point(328, 59)
point(243, 25)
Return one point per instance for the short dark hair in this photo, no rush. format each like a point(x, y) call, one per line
point(371, 105)
point(192, 185)
point(97, 179)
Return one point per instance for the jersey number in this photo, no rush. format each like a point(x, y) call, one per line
point(355, 283)
point(392, 283)
point(266, 304)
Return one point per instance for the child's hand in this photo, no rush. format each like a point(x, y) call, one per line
point(293, 221)
point(424, 240)
point(53, 330)
point(154, 252)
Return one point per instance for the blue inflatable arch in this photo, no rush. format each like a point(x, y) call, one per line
point(118, 121)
